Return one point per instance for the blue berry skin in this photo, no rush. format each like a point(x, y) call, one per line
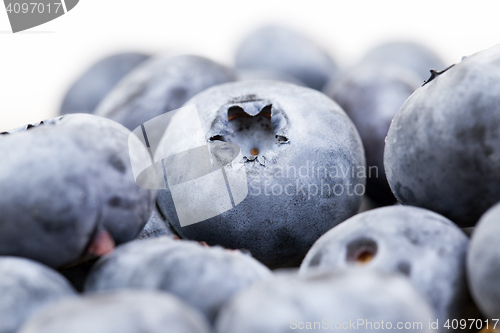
point(160, 85)
point(279, 305)
point(281, 49)
point(443, 147)
point(26, 287)
point(65, 181)
point(413, 56)
point(263, 74)
point(371, 95)
point(306, 130)
point(119, 312)
point(483, 263)
point(424, 246)
point(125, 207)
point(49, 207)
point(97, 81)
point(203, 277)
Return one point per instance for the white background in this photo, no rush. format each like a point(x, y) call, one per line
point(37, 66)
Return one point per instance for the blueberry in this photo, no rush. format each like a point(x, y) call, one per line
point(125, 206)
point(160, 85)
point(97, 81)
point(282, 49)
point(411, 55)
point(302, 157)
point(68, 187)
point(119, 312)
point(323, 301)
point(483, 263)
point(203, 277)
point(371, 96)
point(25, 288)
point(443, 147)
point(424, 246)
point(49, 207)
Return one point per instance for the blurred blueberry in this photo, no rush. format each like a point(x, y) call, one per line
point(25, 288)
point(371, 96)
point(49, 207)
point(483, 263)
point(411, 55)
point(424, 246)
point(119, 312)
point(125, 206)
point(67, 189)
point(204, 277)
point(443, 147)
point(302, 157)
point(97, 81)
point(285, 50)
point(353, 300)
point(160, 85)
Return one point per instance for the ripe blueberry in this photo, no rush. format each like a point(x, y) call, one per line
point(96, 82)
point(342, 300)
point(424, 246)
point(160, 85)
point(68, 182)
point(25, 288)
point(371, 96)
point(483, 266)
point(282, 49)
point(443, 147)
point(302, 156)
point(413, 56)
point(204, 277)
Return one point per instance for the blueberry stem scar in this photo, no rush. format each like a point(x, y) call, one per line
point(238, 115)
point(434, 74)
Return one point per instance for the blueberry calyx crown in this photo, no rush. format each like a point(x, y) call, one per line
point(434, 74)
point(28, 126)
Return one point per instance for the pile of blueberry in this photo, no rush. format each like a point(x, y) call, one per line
point(360, 199)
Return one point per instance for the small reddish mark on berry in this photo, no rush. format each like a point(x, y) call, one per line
point(102, 243)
